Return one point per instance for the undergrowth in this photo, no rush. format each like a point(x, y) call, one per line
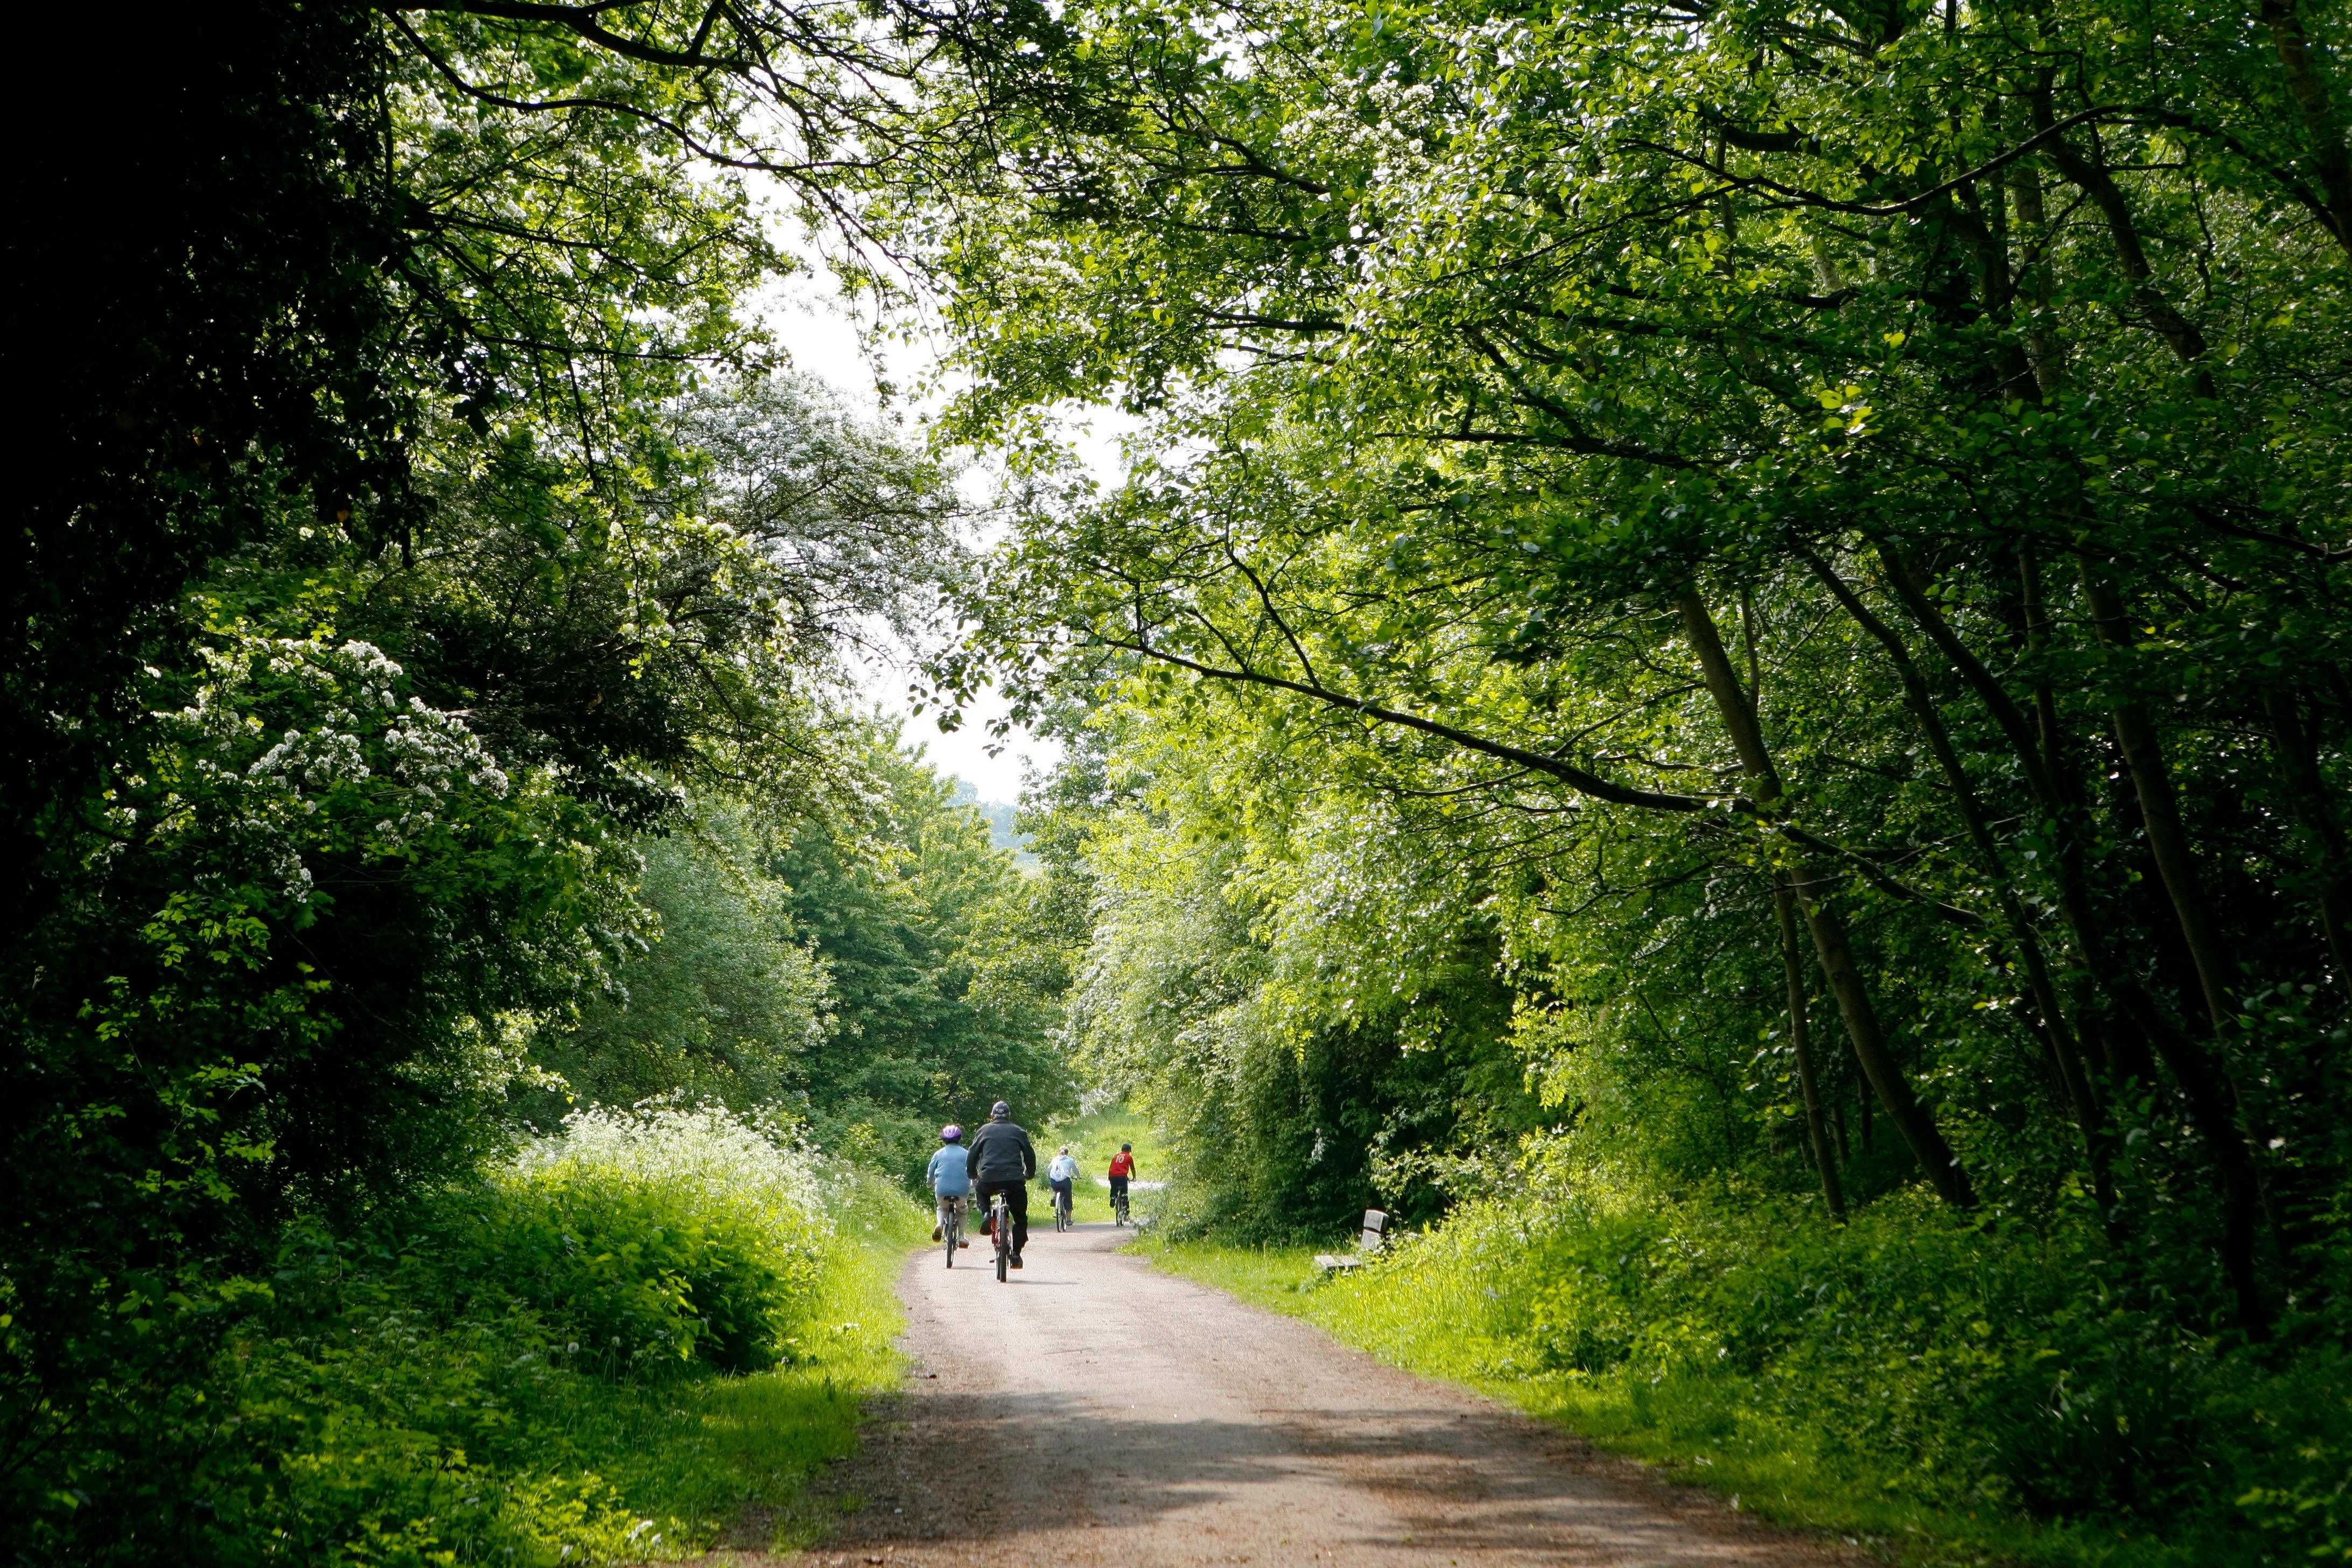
point(635, 1337)
point(1944, 1391)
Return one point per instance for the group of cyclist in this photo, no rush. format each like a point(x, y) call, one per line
point(999, 1158)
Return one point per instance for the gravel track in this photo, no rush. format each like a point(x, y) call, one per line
point(1095, 1411)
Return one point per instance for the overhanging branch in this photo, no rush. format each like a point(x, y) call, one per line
point(1568, 773)
point(1579, 779)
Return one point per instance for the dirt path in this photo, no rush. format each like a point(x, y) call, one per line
point(1093, 1411)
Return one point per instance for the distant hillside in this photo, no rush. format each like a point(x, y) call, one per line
point(999, 817)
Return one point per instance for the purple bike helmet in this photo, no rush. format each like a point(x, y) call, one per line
point(950, 1133)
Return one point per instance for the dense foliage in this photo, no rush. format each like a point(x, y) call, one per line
point(945, 975)
point(465, 1382)
point(878, 971)
point(1788, 563)
point(426, 570)
point(1724, 650)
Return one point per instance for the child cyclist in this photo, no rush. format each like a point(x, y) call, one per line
point(950, 1181)
point(1122, 1167)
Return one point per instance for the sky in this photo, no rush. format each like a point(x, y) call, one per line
point(810, 322)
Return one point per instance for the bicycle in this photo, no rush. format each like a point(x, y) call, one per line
point(1000, 1222)
point(1062, 1220)
point(951, 1228)
point(1119, 1208)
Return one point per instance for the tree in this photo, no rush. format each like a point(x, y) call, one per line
point(943, 998)
point(1317, 1014)
point(1505, 378)
point(717, 1003)
point(368, 598)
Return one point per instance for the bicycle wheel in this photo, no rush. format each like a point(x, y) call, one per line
point(951, 1227)
point(1001, 1220)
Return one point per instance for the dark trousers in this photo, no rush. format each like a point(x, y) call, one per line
point(1016, 1198)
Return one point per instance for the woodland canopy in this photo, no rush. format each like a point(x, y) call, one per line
point(1719, 673)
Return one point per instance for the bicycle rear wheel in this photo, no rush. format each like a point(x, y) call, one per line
point(951, 1227)
point(1002, 1218)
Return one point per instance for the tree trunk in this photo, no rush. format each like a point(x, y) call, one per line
point(2088, 171)
point(2123, 1047)
point(1784, 906)
point(1831, 944)
point(2160, 807)
point(2212, 1098)
point(2050, 1024)
point(2329, 155)
point(2136, 1018)
point(2214, 1102)
point(2306, 792)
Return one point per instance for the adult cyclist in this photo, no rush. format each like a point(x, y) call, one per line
point(1122, 1167)
point(1060, 1174)
point(951, 1178)
point(1001, 1159)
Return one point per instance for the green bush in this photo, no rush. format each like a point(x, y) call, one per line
point(652, 1239)
point(510, 1373)
point(383, 1437)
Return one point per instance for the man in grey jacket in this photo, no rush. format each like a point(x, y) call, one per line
point(1001, 1160)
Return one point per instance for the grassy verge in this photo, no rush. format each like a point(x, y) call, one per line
point(714, 1453)
point(1701, 1430)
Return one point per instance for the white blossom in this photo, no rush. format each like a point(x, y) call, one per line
point(424, 756)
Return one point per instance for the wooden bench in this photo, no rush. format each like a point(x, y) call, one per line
point(1376, 1231)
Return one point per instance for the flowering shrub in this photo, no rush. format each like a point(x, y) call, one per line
point(661, 1235)
point(342, 755)
point(337, 885)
